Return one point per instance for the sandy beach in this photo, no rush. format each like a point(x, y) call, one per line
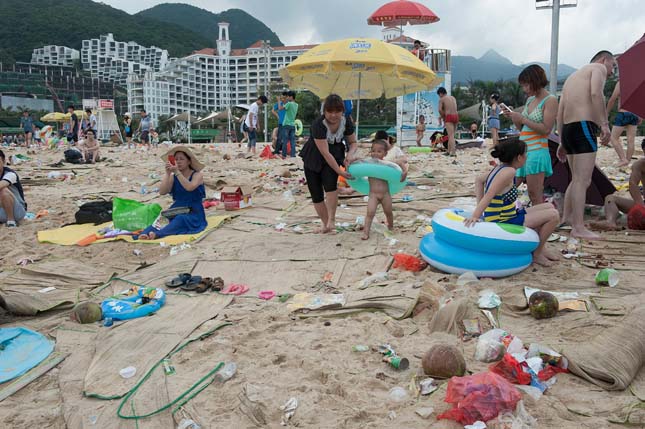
point(282, 352)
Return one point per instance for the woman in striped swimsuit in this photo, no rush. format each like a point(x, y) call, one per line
point(497, 199)
point(536, 122)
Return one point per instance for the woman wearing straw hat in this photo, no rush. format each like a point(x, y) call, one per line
point(185, 182)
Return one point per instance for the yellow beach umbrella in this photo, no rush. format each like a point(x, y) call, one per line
point(359, 68)
point(55, 117)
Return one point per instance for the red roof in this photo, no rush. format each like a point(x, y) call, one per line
point(257, 44)
point(238, 52)
point(206, 51)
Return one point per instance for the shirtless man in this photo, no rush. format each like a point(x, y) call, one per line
point(582, 113)
point(421, 129)
point(624, 121)
point(449, 116)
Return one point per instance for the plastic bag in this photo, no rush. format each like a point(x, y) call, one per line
point(480, 396)
point(408, 262)
point(490, 347)
point(132, 215)
point(510, 369)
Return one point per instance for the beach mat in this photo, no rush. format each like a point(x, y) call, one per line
point(144, 341)
point(396, 300)
point(72, 234)
point(612, 359)
point(50, 285)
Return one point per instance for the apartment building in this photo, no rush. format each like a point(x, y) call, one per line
point(214, 79)
point(108, 59)
point(54, 55)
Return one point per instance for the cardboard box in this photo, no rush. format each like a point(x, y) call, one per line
point(236, 197)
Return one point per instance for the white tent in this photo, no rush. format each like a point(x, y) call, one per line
point(107, 125)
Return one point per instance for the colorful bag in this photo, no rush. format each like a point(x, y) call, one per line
point(132, 215)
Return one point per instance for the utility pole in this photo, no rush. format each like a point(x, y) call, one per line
point(555, 35)
point(267, 70)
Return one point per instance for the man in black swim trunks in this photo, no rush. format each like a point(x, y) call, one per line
point(581, 115)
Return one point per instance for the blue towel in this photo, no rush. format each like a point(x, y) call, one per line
point(20, 351)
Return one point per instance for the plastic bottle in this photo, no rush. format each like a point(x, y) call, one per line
point(144, 190)
point(226, 373)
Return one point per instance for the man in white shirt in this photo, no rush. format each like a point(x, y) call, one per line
point(251, 122)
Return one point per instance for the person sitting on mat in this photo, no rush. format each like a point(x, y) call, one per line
point(185, 182)
point(615, 204)
point(497, 198)
point(379, 192)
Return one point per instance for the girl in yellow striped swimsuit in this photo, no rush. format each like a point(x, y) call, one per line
point(497, 199)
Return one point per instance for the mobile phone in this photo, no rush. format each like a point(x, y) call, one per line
point(171, 159)
point(505, 107)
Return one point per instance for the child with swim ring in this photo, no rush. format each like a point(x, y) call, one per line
point(379, 192)
point(497, 199)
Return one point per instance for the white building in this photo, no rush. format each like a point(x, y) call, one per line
point(108, 59)
point(147, 92)
point(214, 79)
point(53, 55)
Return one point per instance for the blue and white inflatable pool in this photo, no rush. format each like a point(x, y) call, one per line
point(487, 249)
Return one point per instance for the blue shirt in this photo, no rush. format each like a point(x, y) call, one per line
point(349, 106)
point(146, 124)
point(281, 113)
point(27, 124)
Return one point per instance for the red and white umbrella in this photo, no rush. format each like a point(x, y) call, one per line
point(402, 12)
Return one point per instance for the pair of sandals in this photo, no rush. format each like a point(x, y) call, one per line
point(199, 284)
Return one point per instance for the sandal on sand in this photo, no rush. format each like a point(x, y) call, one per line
point(180, 280)
point(192, 284)
point(217, 284)
point(235, 289)
point(204, 285)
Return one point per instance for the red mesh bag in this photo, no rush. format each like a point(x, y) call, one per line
point(480, 396)
point(636, 217)
point(510, 369)
point(408, 262)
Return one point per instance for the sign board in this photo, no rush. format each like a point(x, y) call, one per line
point(106, 104)
point(411, 106)
point(89, 103)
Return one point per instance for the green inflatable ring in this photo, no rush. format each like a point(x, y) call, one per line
point(385, 170)
point(419, 149)
point(298, 124)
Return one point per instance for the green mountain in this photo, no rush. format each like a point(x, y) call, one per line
point(25, 25)
point(493, 66)
point(244, 29)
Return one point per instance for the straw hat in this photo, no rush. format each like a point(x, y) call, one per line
point(194, 162)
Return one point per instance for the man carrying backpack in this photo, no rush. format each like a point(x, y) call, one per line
point(12, 199)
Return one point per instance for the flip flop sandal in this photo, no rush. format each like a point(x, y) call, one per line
point(192, 283)
point(204, 285)
point(235, 289)
point(266, 294)
point(180, 280)
point(217, 284)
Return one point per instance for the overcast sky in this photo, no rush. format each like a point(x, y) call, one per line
point(514, 28)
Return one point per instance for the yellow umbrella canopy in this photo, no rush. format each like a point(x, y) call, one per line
point(359, 68)
point(62, 117)
point(54, 117)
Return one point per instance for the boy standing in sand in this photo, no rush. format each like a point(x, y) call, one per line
point(449, 116)
point(581, 115)
point(379, 192)
point(421, 129)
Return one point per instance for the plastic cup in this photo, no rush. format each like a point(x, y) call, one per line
point(607, 277)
